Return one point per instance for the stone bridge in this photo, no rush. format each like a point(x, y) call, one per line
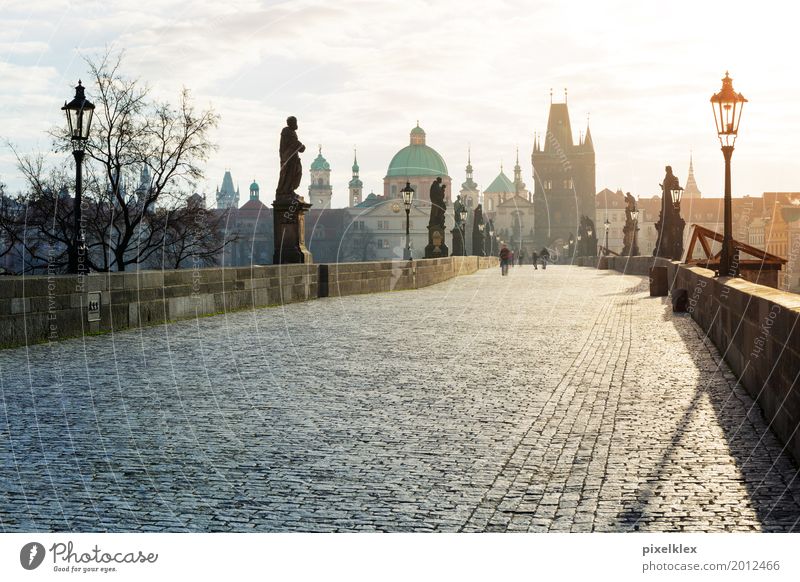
point(557, 400)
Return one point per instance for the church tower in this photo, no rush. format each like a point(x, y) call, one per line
point(519, 185)
point(564, 178)
point(691, 190)
point(355, 185)
point(227, 196)
point(320, 191)
point(469, 189)
point(254, 191)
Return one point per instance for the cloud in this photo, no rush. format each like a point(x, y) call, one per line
point(362, 72)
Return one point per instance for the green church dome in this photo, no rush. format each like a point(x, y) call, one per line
point(320, 163)
point(417, 159)
point(254, 186)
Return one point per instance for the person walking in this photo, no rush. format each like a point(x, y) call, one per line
point(505, 255)
point(535, 260)
point(545, 256)
point(521, 257)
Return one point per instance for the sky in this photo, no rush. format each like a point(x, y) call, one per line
point(475, 74)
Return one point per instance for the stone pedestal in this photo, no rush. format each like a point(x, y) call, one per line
point(289, 223)
point(436, 248)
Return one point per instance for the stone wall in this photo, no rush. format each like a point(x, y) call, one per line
point(756, 329)
point(42, 308)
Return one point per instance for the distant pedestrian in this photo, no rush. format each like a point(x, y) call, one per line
point(511, 258)
point(505, 256)
point(535, 260)
point(545, 256)
point(521, 257)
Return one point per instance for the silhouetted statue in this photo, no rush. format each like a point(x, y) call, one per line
point(291, 168)
point(458, 207)
point(438, 205)
point(629, 244)
point(669, 243)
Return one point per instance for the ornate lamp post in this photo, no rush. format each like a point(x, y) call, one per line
point(408, 197)
point(634, 250)
point(79, 119)
point(579, 245)
point(607, 224)
point(589, 250)
point(727, 106)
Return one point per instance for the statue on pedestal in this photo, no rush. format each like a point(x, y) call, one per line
point(436, 245)
point(291, 168)
point(478, 228)
point(289, 209)
point(629, 242)
point(670, 225)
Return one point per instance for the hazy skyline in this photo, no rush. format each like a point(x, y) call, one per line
point(362, 73)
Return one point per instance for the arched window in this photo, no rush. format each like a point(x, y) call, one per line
point(394, 190)
point(319, 182)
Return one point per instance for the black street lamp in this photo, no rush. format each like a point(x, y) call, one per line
point(79, 119)
point(676, 194)
point(727, 106)
point(634, 249)
point(607, 224)
point(408, 197)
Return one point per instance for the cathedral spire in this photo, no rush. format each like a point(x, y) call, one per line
point(691, 190)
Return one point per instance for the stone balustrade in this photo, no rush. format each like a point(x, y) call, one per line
point(47, 308)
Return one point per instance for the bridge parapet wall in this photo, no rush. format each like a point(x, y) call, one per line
point(41, 308)
point(756, 329)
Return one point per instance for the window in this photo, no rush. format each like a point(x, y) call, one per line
point(383, 243)
point(358, 225)
point(383, 225)
point(394, 190)
point(319, 182)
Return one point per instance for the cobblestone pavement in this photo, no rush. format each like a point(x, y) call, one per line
point(557, 400)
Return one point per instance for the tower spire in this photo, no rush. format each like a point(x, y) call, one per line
point(691, 190)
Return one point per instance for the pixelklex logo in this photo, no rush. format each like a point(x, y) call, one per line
point(31, 555)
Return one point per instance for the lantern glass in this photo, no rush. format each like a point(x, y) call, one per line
point(408, 195)
point(589, 232)
point(79, 113)
point(676, 195)
point(634, 215)
point(579, 237)
point(727, 106)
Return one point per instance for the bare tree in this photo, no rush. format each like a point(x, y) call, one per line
point(36, 227)
point(193, 235)
point(131, 131)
